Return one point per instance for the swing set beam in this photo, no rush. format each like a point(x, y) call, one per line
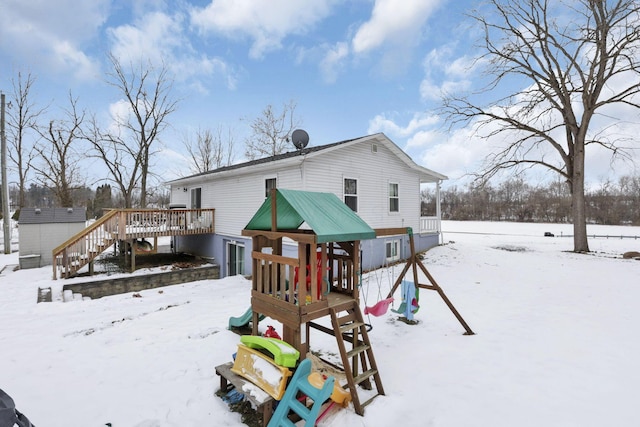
point(414, 263)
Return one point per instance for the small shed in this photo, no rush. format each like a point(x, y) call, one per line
point(43, 229)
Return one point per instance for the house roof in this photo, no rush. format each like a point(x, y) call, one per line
point(52, 215)
point(327, 216)
point(426, 175)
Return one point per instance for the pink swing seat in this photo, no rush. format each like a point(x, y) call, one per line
point(379, 308)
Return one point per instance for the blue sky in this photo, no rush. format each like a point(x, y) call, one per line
point(353, 67)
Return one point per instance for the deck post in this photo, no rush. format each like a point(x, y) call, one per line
point(133, 255)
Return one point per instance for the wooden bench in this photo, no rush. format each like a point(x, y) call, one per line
point(226, 377)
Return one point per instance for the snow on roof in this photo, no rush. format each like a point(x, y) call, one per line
point(52, 215)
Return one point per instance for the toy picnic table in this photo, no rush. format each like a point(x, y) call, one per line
point(264, 406)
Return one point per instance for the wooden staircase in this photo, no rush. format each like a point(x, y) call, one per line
point(357, 355)
point(84, 247)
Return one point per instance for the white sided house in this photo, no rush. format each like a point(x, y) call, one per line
point(372, 175)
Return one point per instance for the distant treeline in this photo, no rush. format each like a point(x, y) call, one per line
point(95, 201)
point(515, 200)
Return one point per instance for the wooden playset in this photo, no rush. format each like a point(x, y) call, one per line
point(322, 280)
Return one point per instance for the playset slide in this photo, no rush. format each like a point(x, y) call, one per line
point(282, 352)
point(261, 370)
point(244, 320)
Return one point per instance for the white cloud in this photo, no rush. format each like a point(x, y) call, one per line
point(429, 91)
point(53, 35)
point(119, 112)
point(447, 74)
point(395, 22)
point(333, 61)
point(267, 23)
point(69, 58)
point(382, 123)
point(160, 38)
point(153, 36)
point(463, 66)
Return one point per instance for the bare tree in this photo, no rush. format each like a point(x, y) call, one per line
point(121, 159)
point(575, 71)
point(58, 166)
point(147, 96)
point(271, 131)
point(210, 150)
point(23, 118)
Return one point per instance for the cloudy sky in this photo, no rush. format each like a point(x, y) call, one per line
point(353, 67)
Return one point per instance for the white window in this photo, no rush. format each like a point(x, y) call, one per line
point(393, 250)
point(235, 258)
point(269, 184)
point(394, 199)
point(351, 193)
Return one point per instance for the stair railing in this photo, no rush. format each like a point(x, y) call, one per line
point(82, 248)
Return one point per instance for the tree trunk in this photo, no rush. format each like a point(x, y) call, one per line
point(580, 243)
point(22, 192)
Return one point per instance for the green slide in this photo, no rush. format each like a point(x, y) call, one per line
point(283, 353)
point(244, 320)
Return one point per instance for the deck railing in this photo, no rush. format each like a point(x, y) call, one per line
point(139, 223)
point(429, 224)
point(127, 224)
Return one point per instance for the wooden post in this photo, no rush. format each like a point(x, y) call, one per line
point(324, 272)
point(313, 272)
point(293, 336)
point(445, 299)
point(414, 258)
point(355, 268)
point(274, 210)
point(133, 255)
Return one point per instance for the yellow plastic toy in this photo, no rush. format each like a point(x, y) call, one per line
point(339, 395)
point(261, 370)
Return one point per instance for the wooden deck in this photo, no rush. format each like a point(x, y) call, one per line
point(127, 225)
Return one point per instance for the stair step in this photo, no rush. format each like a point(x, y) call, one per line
point(365, 403)
point(350, 326)
point(365, 375)
point(350, 317)
point(357, 351)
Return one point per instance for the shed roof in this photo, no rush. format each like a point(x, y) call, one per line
point(327, 216)
point(52, 215)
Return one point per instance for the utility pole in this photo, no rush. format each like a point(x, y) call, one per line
point(6, 222)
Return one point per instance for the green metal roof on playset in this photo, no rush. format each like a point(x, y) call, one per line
point(324, 213)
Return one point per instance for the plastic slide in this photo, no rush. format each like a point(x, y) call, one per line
point(261, 370)
point(244, 320)
point(282, 352)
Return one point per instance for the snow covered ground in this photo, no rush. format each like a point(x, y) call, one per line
point(556, 341)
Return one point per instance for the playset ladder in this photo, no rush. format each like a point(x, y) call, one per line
point(358, 361)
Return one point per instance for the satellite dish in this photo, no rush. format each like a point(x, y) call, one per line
point(300, 138)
